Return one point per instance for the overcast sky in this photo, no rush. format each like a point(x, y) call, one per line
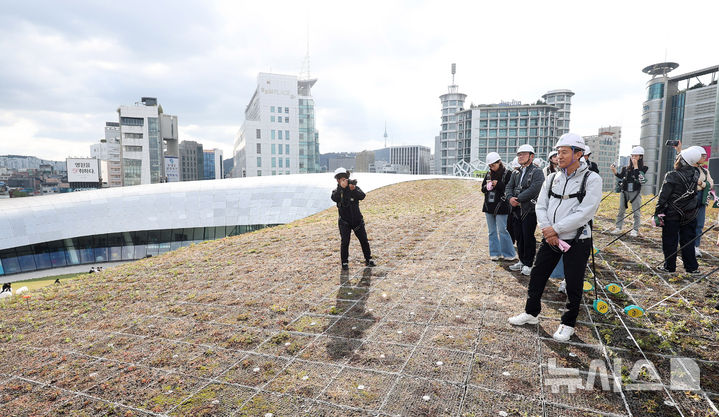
point(66, 66)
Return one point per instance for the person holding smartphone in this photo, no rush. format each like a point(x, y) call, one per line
point(631, 179)
point(496, 208)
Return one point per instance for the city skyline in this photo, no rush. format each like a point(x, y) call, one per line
point(72, 70)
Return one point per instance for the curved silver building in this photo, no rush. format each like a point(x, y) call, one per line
point(116, 224)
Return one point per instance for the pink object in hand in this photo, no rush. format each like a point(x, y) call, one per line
point(564, 246)
point(489, 185)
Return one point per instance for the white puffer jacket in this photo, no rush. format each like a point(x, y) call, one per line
point(566, 216)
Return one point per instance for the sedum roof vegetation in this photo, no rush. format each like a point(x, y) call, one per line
point(267, 324)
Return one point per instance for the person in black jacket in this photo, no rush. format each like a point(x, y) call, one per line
point(347, 195)
point(631, 179)
point(496, 209)
point(591, 164)
point(676, 212)
point(522, 192)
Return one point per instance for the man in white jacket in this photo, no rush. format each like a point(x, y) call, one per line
point(568, 201)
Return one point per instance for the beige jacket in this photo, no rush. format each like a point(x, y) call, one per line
point(704, 177)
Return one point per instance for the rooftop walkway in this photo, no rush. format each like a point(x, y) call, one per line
point(266, 324)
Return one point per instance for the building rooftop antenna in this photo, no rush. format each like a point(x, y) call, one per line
point(453, 88)
point(305, 71)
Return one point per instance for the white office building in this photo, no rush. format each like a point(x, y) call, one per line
point(109, 153)
point(147, 135)
point(605, 152)
point(415, 157)
point(278, 136)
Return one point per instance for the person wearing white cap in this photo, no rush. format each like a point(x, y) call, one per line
point(676, 212)
point(552, 165)
point(631, 179)
point(704, 186)
point(522, 192)
point(591, 164)
point(566, 205)
point(496, 208)
point(347, 195)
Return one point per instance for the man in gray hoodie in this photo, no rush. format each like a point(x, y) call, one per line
point(567, 202)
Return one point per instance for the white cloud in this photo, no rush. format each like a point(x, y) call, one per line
point(73, 65)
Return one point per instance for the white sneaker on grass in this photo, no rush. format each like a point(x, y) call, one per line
point(494, 258)
point(511, 258)
point(697, 252)
point(563, 333)
point(516, 267)
point(523, 318)
point(526, 270)
point(563, 286)
point(633, 233)
point(616, 231)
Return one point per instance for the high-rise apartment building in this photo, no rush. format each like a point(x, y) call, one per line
point(605, 152)
point(278, 136)
point(213, 169)
point(503, 127)
point(450, 146)
point(685, 108)
point(192, 161)
point(562, 100)
point(467, 135)
point(109, 152)
point(147, 136)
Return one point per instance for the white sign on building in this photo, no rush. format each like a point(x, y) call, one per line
point(172, 168)
point(83, 170)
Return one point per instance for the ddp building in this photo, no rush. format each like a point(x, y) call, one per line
point(127, 223)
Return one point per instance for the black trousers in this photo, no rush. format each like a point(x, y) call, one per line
point(524, 233)
point(673, 232)
point(510, 224)
point(575, 263)
point(360, 232)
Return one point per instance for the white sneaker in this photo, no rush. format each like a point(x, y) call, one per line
point(526, 270)
point(616, 231)
point(563, 286)
point(633, 233)
point(516, 267)
point(563, 333)
point(697, 252)
point(523, 318)
point(511, 258)
point(494, 258)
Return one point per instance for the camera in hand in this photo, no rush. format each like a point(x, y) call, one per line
point(672, 143)
point(353, 182)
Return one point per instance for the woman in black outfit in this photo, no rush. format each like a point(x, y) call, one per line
point(676, 212)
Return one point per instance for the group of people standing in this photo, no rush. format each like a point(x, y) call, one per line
point(563, 198)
